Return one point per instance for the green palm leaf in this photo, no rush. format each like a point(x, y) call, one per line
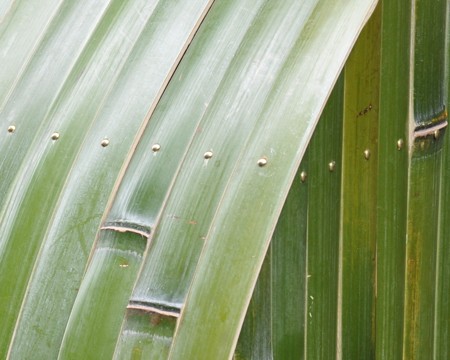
point(163, 179)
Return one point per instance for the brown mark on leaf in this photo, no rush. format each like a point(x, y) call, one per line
point(155, 319)
point(365, 111)
point(190, 221)
point(123, 263)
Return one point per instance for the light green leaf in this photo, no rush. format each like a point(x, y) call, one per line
point(91, 105)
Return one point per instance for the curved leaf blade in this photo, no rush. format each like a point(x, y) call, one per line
point(240, 248)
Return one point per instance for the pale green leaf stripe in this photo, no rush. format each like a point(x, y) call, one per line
point(22, 24)
point(144, 75)
point(5, 8)
point(232, 115)
point(232, 257)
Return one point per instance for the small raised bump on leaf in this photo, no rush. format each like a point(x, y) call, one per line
point(156, 147)
point(332, 166)
point(262, 162)
point(208, 155)
point(105, 142)
point(303, 176)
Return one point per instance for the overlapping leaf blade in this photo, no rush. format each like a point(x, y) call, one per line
point(198, 178)
point(225, 139)
point(252, 182)
point(69, 229)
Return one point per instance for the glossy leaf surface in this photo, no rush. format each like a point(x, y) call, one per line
point(161, 172)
